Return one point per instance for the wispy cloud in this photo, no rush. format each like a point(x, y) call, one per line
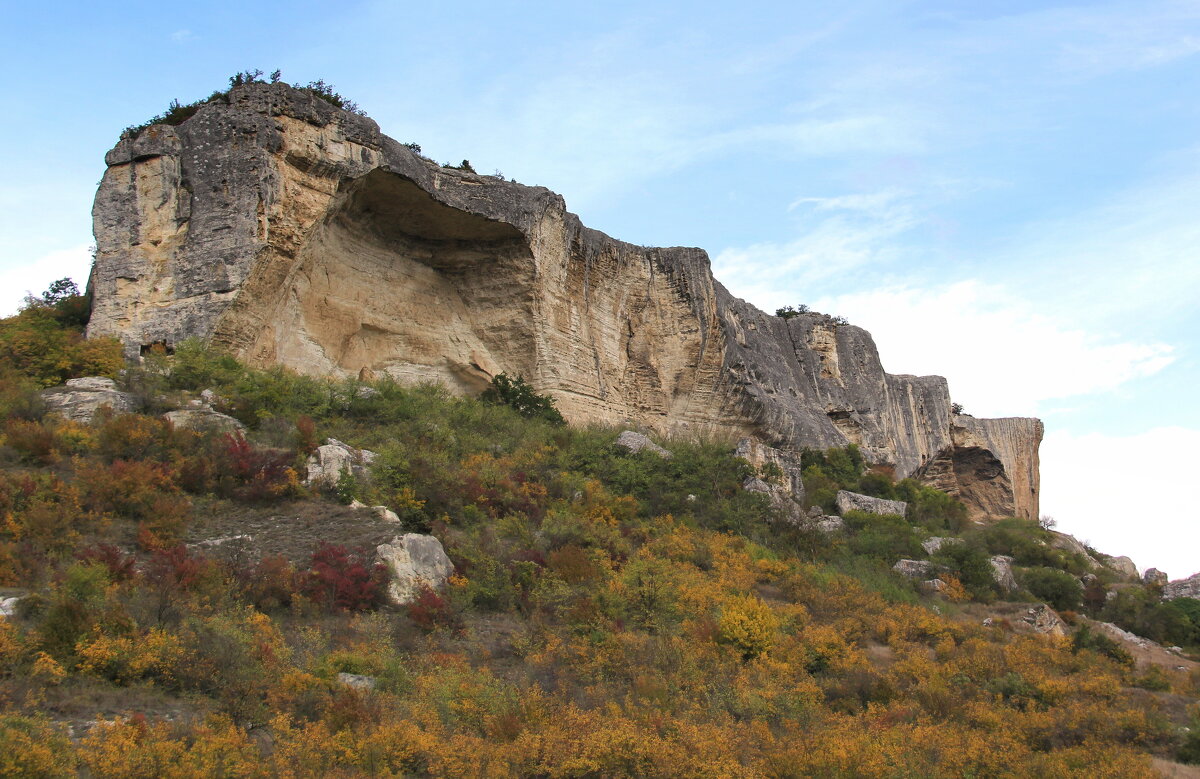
point(182, 36)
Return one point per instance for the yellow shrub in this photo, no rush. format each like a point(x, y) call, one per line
point(749, 625)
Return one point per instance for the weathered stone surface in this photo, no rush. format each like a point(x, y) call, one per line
point(8, 607)
point(1154, 578)
point(1124, 566)
point(1002, 573)
point(831, 524)
point(414, 560)
point(763, 457)
point(781, 500)
point(357, 681)
point(991, 465)
point(637, 442)
point(325, 466)
point(852, 501)
point(293, 233)
point(935, 543)
point(1071, 544)
point(203, 420)
point(1183, 588)
point(914, 569)
point(933, 586)
point(1045, 620)
point(80, 399)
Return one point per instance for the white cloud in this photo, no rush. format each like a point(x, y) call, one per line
point(182, 36)
point(34, 277)
point(1001, 356)
point(1121, 494)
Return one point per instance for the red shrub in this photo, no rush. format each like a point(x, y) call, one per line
point(430, 610)
point(344, 579)
point(120, 565)
point(270, 583)
point(177, 570)
point(257, 475)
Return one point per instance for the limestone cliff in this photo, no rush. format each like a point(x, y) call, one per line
point(292, 232)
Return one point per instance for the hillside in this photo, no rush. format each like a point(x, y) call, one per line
point(187, 605)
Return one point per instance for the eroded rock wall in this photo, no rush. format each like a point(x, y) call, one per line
point(295, 233)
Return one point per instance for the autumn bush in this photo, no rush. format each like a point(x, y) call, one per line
point(342, 578)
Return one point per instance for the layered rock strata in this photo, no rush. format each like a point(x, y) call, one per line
point(295, 233)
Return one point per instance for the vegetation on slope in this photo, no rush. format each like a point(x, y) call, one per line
point(611, 614)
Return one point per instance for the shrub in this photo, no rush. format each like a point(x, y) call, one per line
point(430, 610)
point(1058, 588)
point(519, 396)
point(972, 566)
point(748, 625)
point(1086, 638)
point(344, 579)
point(44, 342)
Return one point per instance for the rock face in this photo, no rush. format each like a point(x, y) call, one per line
point(636, 442)
point(1155, 578)
point(852, 501)
point(1002, 573)
point(1124, 566)
point(1183, 588)
point(914, 569)
point(203, 420)
point(414, 560)
point(80, 399)
point(324, 467)
point(291, 232)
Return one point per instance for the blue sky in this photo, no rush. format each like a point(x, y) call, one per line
point(1007, 194)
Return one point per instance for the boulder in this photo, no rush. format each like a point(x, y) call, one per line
point(831, 524)
point(80, 399)
point(914, 569)
point(1069, 543)
point(789, 463)
point(933, 586)
point(1154, 578)
point(203, 420)
point(1124, 566)
point(1002, 573)
point(8, 607)
point(1045, 620)
point(1183, 588)
point(326, 465)
point(357, 681)
point(935, 543)
point(852, 501)
point(636, 442)
point(414, 561)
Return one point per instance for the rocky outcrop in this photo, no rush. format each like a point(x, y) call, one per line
point(203, 420)
point(293, 233)
point(414, 561)
point(1183, 588)
point(1046, 621)
point(852, 501)
point(991, 465)
point(1123, 565)
point(79, 400)
point(1002, 573)
point(637, 442)
point(934, 544)
point(767, 458)
point(1155, 578)
point(325, 467)
point(915, 569)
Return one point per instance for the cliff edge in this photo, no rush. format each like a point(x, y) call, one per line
point(292, 232)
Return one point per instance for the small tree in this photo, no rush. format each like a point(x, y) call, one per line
point(521, 397)
point(787, 312)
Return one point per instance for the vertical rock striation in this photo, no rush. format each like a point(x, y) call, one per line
point(292, 232)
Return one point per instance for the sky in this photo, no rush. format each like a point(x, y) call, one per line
point(1003, 193)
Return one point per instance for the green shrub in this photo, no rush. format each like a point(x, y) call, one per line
point(518, 395)
point(1086, 638)
point(1058, 588)
point(972, 565)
